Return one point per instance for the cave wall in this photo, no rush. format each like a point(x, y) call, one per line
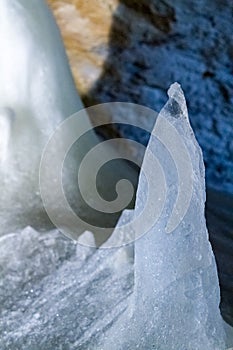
point(128, 50)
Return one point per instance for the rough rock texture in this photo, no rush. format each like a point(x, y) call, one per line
point(133, 50)
point(85, 28)
point(220, 224)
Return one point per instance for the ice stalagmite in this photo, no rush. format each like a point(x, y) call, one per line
point(175, 303)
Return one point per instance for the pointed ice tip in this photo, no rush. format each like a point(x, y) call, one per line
point(176, 93)
point(174, 90)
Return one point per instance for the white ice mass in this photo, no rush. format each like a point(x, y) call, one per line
point(35, 96)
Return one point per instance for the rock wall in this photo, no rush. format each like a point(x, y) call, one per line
point(130, 50)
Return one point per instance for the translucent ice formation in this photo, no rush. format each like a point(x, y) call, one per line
point(175, 303)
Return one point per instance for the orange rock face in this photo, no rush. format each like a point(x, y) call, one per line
point(85, 27)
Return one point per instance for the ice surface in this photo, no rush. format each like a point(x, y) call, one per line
point(229, 335)
point(57, 294)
